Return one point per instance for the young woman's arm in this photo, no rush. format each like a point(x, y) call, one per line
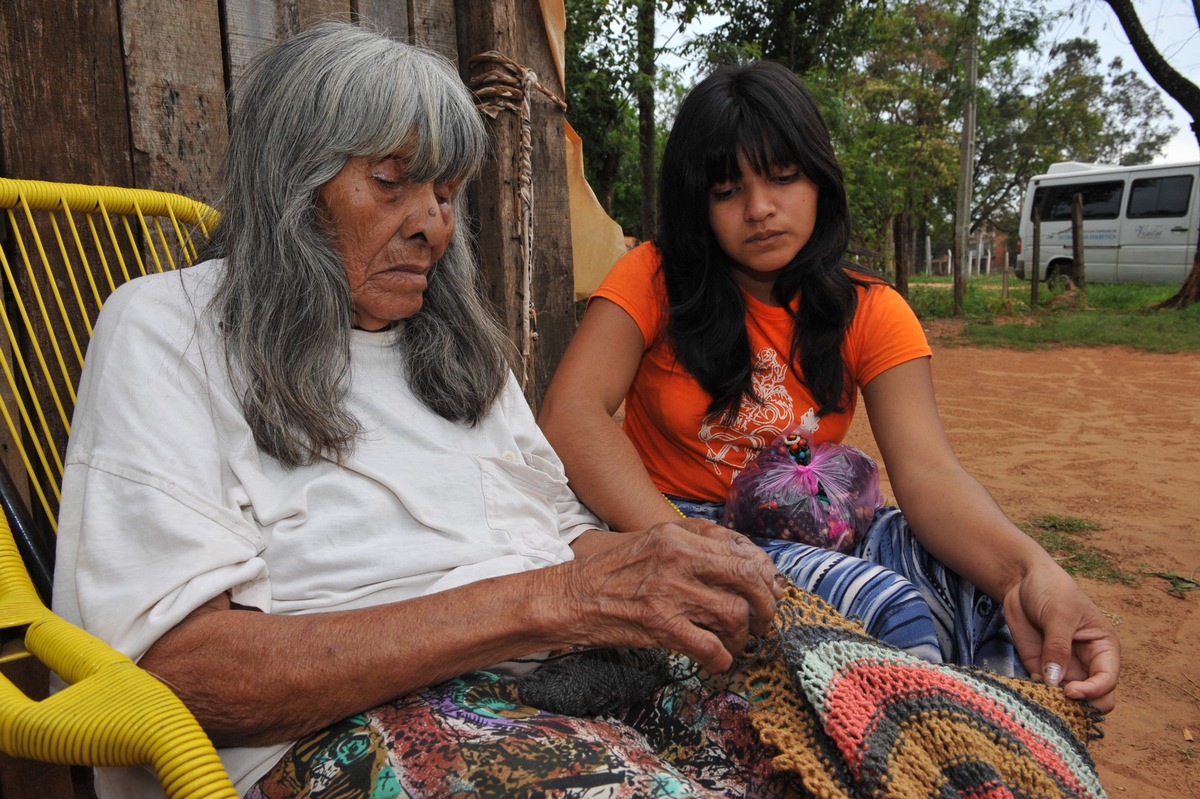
point(576, 413)
point(958, 521)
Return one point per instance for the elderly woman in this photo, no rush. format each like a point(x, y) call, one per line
point(305, 491)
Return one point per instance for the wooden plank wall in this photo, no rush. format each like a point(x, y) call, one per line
point(133, 93)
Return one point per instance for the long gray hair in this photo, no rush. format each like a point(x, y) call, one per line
point(334, 92)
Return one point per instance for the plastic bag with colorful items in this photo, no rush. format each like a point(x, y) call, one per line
point(824, 494)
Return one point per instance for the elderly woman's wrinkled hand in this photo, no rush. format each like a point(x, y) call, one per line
point(694, 587)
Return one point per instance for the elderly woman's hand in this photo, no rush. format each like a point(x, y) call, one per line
point(693, 586)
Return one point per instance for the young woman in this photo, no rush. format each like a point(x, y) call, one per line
point(741, 320)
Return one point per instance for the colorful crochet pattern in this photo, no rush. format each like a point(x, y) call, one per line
point(855, 718)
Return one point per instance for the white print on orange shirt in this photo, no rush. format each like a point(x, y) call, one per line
point(757, 424)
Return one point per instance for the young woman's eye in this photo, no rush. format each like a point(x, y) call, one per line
point(719, 193)
point(790, 176)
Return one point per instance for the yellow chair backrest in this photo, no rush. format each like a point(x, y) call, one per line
point(71, 246)
point(65, 249)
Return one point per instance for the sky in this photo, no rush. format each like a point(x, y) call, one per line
point(1172, 26)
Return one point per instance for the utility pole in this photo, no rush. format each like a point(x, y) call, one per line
point(966, 158)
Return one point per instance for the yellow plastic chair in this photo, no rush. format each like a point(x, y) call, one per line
point(65, 249)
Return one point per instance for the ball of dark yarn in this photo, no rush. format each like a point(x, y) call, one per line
point(595, 682)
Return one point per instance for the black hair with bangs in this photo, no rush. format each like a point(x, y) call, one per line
point(763, 112)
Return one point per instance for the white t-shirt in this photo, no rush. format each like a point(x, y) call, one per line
point(167, 502)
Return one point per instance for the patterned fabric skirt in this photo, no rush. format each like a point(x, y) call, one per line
point(472, 737)
point(900, 593)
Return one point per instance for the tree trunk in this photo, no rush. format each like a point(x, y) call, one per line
point(647, 132)
point(605, 186)
point(1174, 83)
point(902, 238)
point(1189, 292)
point(1184, 92)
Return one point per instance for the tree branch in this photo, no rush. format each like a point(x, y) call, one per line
point(1186, 93)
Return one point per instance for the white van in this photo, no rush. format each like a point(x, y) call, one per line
point(1140, 223)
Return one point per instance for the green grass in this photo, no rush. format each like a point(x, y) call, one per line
point(1114, 314)
point(1065, 538)
point(1177, 584)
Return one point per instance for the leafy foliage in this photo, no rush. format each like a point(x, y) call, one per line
point(603, 79)
point(598, 104)
point(888, 76)
point(817, 34)
point(1031, 117)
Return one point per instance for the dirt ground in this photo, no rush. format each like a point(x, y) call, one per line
point(1111, 436)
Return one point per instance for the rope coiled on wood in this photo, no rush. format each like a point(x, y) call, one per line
point(508, 86)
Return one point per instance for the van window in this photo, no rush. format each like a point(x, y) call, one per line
point(1167, 196)
point(1100, 200)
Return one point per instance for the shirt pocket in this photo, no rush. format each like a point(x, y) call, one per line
point(520, 499)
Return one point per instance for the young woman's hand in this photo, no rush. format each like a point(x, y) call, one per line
point(1062, 636)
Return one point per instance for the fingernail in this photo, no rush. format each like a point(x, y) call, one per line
point(781, 580)
point(1052, 673)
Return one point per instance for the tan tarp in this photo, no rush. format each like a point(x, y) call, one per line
point(596, 240)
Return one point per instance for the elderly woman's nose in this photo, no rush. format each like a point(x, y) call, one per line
point(429, 214)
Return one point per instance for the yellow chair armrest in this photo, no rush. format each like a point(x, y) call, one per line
point(111, 713)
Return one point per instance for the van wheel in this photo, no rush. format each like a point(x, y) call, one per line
point(1058, 277)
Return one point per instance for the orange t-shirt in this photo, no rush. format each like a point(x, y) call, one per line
point(691, 455)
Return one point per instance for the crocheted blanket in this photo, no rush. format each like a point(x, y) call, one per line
point(854, 717)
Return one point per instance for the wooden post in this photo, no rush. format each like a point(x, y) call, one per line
point(65, 114)
point(434, 24)
point(252, 25)
point(514, 31)
point(1035, 255)
point(1077, 244)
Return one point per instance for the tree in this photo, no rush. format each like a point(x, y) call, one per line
point(810, 35)
point(613, 78)
point(1131, 105)
point(644, 88)
point(1184, 92)
point(597, 104)
point(889, 119)
point(1029, 118)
